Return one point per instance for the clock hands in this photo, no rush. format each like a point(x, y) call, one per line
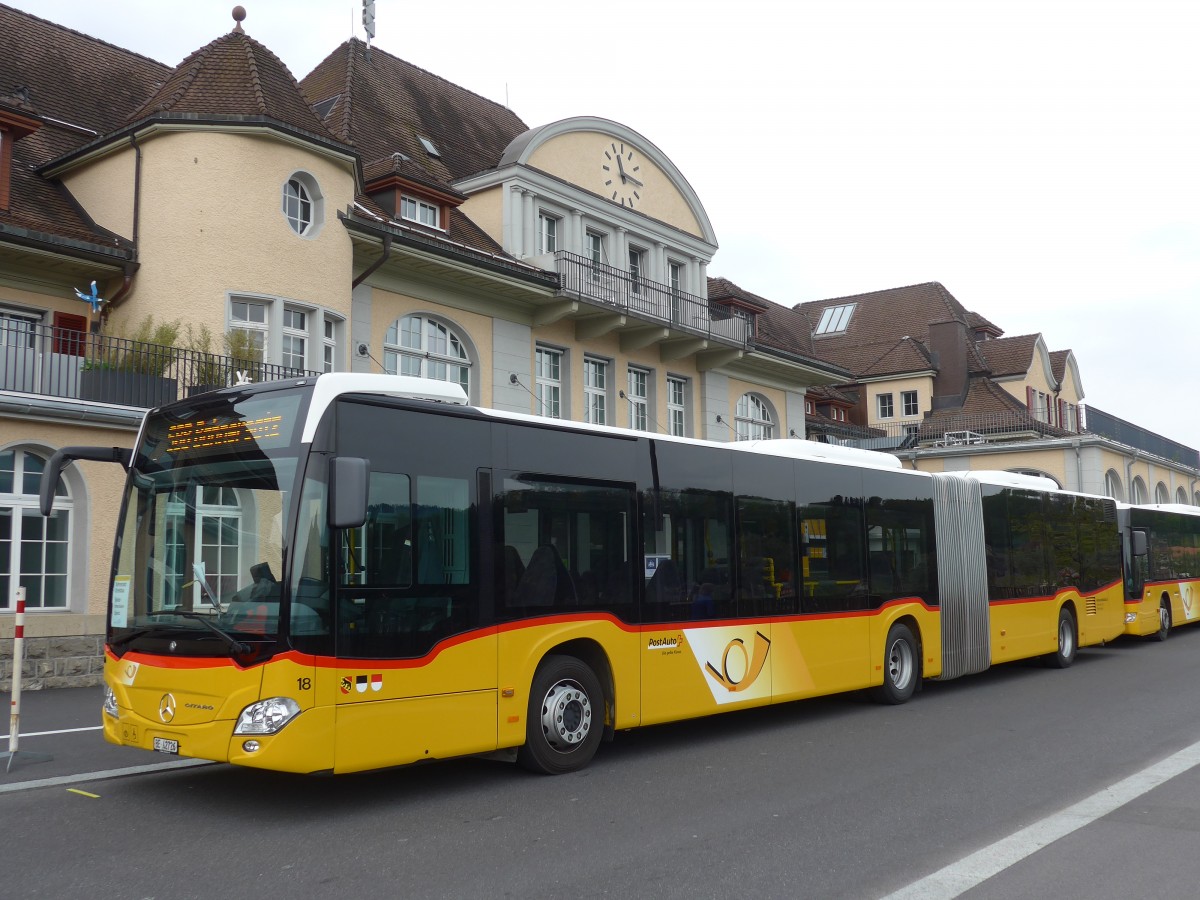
point(625, 176)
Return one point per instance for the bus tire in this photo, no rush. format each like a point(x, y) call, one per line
point(565, 720)
point(1164, 621)
point(1068, 641)
point(901, 667)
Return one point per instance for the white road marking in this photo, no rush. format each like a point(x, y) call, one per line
point(970, 871)
point(107, 773)
point(4, 737)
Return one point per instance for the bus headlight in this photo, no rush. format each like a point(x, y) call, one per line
point(267, 716)
point(110, 702)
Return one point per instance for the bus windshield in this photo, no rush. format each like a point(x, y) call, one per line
point(200, 550)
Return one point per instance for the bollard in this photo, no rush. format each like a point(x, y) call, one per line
point(14, 719)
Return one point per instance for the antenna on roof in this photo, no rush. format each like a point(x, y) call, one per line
point(239, 13)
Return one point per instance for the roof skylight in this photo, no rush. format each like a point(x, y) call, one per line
point(428, 145)
point(834, 319)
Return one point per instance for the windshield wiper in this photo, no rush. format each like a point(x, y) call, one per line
point(235, 645)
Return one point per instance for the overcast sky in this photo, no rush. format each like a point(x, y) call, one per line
point(1040, 159)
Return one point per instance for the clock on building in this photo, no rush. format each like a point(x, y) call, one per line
point(620, 173)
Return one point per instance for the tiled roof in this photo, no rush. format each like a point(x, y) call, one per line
point(724, 289)
point(83, 88)
point(784, 329)
point(384, 105)
point(988, 408)
point(906, 355)
point(234, 75)
point(881, 320)
point(1010, 355)
point(1058, 363)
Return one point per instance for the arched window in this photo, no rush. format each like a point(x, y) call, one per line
point(1140, 494)
point(1112, 485)
point(753, 419)
point(420, 346)
point(34, 551)
point(1181, 496)
point(1161, 494)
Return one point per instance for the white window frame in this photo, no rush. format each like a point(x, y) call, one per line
point(548, 232)
point(414, 209)
point(752, 419)
point(547, 381)
point(23, 505)
point(910, 404)
point(884, 406)
point(292, 333)
point(637, 267)
point(302, 204)
point(269, 320)
point(427, 346)
point(595, 390)
point(637, 392)
point(677, 406)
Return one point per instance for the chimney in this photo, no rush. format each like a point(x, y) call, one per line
point(948, 342)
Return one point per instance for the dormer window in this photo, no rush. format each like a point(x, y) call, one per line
point(834, 319)
point(416, 210)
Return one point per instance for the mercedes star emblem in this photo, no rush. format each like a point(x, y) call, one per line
point(166, 708)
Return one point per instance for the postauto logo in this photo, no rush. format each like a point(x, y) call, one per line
point(732, 661)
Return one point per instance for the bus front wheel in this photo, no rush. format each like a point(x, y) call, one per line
point(900, 666)
point(1164, 621)
point(565, 721)
point(1068, 641)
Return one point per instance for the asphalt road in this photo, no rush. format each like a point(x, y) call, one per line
point(827, 798)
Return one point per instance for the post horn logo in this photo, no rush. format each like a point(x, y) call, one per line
point(751, 666)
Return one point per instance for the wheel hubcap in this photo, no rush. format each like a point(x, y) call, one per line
point(900, 664)
point(1066, 637)
point(1164, 618)
point(566, 716)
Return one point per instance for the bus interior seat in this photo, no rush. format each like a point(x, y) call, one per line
point(545, 581)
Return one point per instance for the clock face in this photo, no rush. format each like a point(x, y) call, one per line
point(620, 175)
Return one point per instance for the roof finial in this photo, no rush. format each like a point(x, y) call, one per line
point(239, 13)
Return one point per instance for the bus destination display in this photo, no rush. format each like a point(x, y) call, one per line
point(208, 435)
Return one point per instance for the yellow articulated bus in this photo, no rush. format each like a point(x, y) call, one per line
point(350, 572)
point(1162, 567)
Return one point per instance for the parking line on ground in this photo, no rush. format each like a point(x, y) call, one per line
point(972, 870)
point(107, 773)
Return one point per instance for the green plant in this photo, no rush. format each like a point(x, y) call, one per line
point(207, 368)
point(151, 348)
point(244, 353)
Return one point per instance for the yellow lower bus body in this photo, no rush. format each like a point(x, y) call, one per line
point(470, 695)
point(1181, 597)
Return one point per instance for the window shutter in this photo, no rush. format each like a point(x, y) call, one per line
point(68, 333)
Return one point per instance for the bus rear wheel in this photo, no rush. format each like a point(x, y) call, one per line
point(1164, 621)
point(900, 667)
point(1068, 641)
point(565, 720)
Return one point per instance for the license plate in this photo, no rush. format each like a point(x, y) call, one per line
point(164, 745)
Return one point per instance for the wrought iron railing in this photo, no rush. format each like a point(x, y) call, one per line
point(59, 362)
point(628, 292)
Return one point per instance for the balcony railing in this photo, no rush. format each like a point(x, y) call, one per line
point(57, 362)
point(954, 431)
point(621, 290)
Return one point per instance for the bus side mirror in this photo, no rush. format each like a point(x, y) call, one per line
point(1138, 539)
point(348, 477)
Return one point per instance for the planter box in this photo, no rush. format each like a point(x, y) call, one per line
point(127, 388)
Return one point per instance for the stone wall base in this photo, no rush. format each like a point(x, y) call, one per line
point(55, 662)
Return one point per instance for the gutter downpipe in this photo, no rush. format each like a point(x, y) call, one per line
point(1129, 474)
point(370, 270)
point(1079, 465)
